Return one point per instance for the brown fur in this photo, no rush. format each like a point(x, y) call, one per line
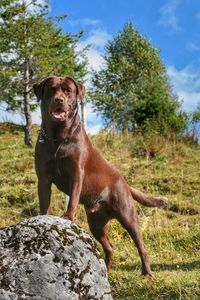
point(65, 156)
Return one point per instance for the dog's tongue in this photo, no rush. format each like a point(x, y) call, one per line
point(59, 114)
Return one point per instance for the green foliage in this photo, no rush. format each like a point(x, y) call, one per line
point(33, 46)
point(132, 88)
point(196, 115)
point(171, 235)
point(29, 39)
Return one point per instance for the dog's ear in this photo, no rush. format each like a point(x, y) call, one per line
point(38, 88)
point(80, 87)
point(81, 91)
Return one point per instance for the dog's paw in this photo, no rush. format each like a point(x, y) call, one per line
point(147, 276)
point(68, 217)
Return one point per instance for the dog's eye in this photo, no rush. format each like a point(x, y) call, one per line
point(67, 91)
point(52, 89)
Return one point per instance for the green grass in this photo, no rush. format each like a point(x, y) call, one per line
point(156, 166)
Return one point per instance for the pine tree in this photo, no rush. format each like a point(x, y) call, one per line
point(132, 88)
point(33, 46)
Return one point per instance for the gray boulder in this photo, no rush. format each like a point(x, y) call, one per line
point(50, 258)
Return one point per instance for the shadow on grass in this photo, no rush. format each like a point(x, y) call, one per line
point(184, 266)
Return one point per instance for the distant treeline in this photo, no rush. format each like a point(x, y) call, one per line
point(131, 91)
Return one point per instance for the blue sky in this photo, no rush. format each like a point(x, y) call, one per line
point(173, 26)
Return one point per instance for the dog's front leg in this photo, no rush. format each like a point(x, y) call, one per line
point(44, 194)
point(76, 187)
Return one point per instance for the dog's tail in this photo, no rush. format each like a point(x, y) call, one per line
point(148, 200)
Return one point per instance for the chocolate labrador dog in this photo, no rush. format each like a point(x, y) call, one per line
point(65, 156)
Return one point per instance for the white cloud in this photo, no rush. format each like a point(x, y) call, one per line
point(192, 46)
point(95, 59)
point(190, 100)
point(94, 121)
point(29, 2)
point(10, 117)
point(85, 22)
point(168, 16)
point(186, 83)
point(17, 117)
point(94, 129)
point(35, 7)
point(97, 39)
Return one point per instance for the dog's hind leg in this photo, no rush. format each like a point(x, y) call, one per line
point(99, 227)
point(129, 220)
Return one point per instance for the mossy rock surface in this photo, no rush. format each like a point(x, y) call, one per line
point(47, 257)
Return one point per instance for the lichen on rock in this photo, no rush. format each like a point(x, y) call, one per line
point(48, 257)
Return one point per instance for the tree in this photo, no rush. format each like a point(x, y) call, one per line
point(33, 46)
point(195, 122)
point(196, 114)
point(132, 88)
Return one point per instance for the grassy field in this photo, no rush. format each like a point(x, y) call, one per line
point(155, 165)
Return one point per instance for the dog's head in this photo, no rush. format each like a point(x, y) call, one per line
point(58, 97)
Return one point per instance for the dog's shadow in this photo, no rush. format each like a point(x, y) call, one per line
point(183, 266)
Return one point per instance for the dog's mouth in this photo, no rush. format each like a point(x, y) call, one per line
point(58, 115)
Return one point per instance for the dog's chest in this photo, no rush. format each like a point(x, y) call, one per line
point(66, 150)
point(63, 173)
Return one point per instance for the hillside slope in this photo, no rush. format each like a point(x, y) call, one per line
point(156, 166)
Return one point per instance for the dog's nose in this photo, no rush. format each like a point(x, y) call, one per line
point(59, 100)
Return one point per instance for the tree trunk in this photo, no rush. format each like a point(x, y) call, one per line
point(125, 130)
point(27, 112)
point(83, 114)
